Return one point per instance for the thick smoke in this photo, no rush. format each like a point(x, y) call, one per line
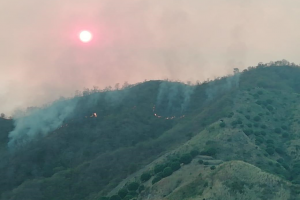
point(174, 97)
point(40, 122)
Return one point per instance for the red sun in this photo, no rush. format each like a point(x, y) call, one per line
point(85, 36)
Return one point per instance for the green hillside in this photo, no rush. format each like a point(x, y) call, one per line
point(232, 138)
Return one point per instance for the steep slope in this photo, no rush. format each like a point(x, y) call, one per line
point(261, 129)
point(87, 155)
point(153, 140)
point(235, 180)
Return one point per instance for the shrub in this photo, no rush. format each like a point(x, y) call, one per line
point(270, 142)
point(270, 163)
point(175, 165)
point(222, 124)
point(160, 174)
point(239, 121)
point(206, 163)
point(248, 117)
point(285, 166)
point(277, 130)
point(259, 140)
point(141, 188)
point(230, 115)
point(257, 118)
point(122, 193)
point(200, 161)
point(115, 197)
point(263, 133)
point(194, 153)
point(257, 133)
point(284, 127)
point(145, 176)
point(280, 160)
point(128, 197)
point(133, 193)
point(269, 101)
point(186, 158)
point(209, 152)
point(270, 108)
point(167, 171)
point(158, 168)
point(237, 187)
point(213, 167)
point(233, 123)
point(263, 126)
point(270, 150)
point(133, 186)
point(260, 92)
point(279, 151)
point(249, 125)
point(285, 135)
point(156, 179)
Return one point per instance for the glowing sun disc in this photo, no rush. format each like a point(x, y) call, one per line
point(85, 36)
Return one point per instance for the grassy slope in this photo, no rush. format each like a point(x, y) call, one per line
point(262, 131)
point(91, 156)
point(235, 180)
point(259, 132)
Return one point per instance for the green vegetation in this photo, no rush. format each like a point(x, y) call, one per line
point(167, 171)
point(175, 165)
point(255, 121)
point(122, 193)
point(156, 179)
point(133, 186)
point(115, 197)
point(209, 152)
point(145, 176)
point(222, 125)
point(186, 158)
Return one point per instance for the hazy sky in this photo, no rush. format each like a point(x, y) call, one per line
point(41, 57)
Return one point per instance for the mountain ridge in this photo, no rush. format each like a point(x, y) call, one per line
point(249, 120)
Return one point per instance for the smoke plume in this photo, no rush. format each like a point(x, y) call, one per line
point(220, 86)
point(40, 122)
point(42, 58)
point(174, 97)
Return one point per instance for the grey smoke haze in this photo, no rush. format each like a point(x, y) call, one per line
point(42, 58)
point(215, 88)
point(40, 122)
point(170, 93)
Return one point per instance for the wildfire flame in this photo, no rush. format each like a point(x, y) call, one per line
point(94, 115)
point(158, 116)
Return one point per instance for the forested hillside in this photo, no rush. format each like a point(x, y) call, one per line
point(161, 139)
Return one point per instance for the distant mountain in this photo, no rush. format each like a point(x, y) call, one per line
point(236, 137)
